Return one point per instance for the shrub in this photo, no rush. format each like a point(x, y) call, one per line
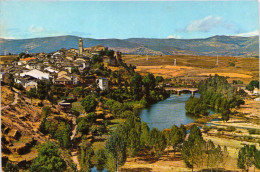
point(231, 129)
point(254, 131)
point(231, 64)
point(206, 128)
point(220, 129)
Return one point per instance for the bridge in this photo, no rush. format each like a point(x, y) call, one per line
point(181, 89)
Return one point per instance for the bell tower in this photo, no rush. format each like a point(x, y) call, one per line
point(80, 46)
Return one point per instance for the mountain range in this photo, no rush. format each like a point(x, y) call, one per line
point(212, 46)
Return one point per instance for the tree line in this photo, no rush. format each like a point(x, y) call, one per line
point(216, 94)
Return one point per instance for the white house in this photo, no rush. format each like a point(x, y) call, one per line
point(36, 74)
point(30, 84)
point(51, 70)
point(256, 91)
point(102, 83)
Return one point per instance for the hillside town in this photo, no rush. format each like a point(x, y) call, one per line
point(62, 67)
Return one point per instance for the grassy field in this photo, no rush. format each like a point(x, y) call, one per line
point(196, 67)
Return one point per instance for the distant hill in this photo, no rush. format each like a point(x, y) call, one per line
point(216, 45)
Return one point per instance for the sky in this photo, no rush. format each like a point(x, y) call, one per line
point(102, 20)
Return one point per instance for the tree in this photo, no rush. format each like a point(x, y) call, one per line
point(89, 103)
point(31, 93)
point(43, 88)
point(83, 126)
point(157, 141)
point(85, 155)
point(145, 134)
point(10, 167)
point(246, 157)
point(48, 159)
point(257, 159)
point(116, 145)
point(136, 86)
point(91, 117)
point(192, 148)
point(22, 55)
point(159, 79)
point(176, 139)
point(78, 92)
point(111, 163)
point(133, 142)
point(252, 85)
point(101, 158)
point(149, 82)
point(63, 134)
point(210, 147)
point(167, 135)
point(10, 80)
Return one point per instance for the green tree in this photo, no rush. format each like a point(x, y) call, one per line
point(101, 158)
point(10, 167)
point(133, 142)
point(176, 139)
point(192, 150)
point(116, 145)
point(111, 163)
point(157, 141)
point(257, 159)
point(145, 134)
point(48, 159)
point(252, 85)
point(89, 103)
point(83, 126)
point(43, 88)
point(159, 79)
point(149, 82)
point(246, 157)
point(63, 134)
point(11, 81)
point(31, 93)
point(136, 86)
point(78, 92)
point(85, 155)
point(91, 117)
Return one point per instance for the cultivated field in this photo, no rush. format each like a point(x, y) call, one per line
point(196, 67)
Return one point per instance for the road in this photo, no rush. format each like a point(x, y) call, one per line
point(74, 153)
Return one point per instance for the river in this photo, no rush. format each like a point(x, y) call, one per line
point(168, 112)
point(164, 114)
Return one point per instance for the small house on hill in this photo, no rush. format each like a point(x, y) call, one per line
point(64, 105)
point(102, 83)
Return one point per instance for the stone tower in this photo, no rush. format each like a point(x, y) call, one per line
point(80, 46)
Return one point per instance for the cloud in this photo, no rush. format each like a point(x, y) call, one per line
point(7, 37)
point(207, 24)
point(174, 36)
point(36, 29)
point(247, 34)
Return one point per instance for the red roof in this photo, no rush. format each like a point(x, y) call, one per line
point(29, 58)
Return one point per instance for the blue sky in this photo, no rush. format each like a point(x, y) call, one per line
point(177, 19)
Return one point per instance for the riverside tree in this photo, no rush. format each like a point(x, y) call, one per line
point(246, 157)
point(85, 155)
point(158, 142)
point(116, 145)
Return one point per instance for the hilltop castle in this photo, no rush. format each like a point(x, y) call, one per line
point(112, 59)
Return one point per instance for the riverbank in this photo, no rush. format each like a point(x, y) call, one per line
point(248, 117)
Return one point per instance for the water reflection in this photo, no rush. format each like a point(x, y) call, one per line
point(168, 112)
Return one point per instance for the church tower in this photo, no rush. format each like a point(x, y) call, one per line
point(80, 46)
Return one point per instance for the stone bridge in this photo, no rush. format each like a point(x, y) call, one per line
point(181, 89)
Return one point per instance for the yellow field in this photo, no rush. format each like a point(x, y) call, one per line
point(195, 67)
